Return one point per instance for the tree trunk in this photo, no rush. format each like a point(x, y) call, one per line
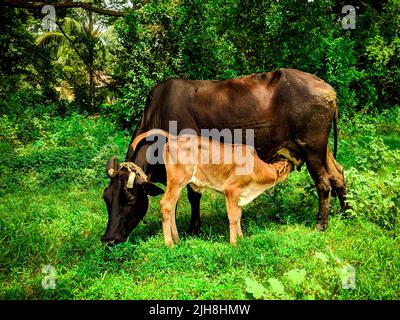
point(38, 5)
point(91, 62)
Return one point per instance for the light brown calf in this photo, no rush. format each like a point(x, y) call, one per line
point(232, 169)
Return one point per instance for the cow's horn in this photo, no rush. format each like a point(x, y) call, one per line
point(131, 179)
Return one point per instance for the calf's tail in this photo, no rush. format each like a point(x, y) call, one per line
point(145, 135)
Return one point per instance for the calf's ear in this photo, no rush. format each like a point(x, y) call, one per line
point(152, 189)
point(112, 167)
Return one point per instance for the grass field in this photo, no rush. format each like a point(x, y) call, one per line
point(52, 212)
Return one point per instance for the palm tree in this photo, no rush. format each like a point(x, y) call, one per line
point(86, 36)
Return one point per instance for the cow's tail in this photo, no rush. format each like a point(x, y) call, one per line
point(145, 135)
point(335, 131)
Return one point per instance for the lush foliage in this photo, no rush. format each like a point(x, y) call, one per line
point(70, 97)
point(108, 65)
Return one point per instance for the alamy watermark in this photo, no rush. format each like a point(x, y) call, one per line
point(210, 150)
point(349, 20)
point(49, 20)
point(348, 276)
point(49, 279)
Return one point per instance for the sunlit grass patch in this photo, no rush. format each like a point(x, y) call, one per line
point(59, 222)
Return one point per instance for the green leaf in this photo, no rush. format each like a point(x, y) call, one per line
point(276, 286)
point(296, 276)
point(321, 256)
point(255, 288)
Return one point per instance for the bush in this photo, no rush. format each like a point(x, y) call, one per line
point(8, 132)
point(61, 151)
point(375, 197)
point(369, 151)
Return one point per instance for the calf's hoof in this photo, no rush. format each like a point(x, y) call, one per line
point(176, 240)
point(233, 242)
point(169, 244)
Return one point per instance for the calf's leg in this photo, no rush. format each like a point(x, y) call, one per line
point(239, 224)
point(234, 214)
point(168, 205)
point(174, 229)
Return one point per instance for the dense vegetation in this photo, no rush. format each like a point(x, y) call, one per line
point(70, 98)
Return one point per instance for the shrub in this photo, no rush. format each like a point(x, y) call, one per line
point(65, 151)
point(374, 197)
point(8, 132)
point(369, 152)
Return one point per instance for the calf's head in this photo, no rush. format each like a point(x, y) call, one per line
point(126, 198)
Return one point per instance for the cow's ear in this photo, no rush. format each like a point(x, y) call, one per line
point(152, 189)
point(112, 167)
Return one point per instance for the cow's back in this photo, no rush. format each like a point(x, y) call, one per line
point(276, 105)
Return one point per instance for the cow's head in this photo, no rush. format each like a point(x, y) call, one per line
point(127, 199)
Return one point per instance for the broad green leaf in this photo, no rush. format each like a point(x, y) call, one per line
point(296, 276)
point(254, 288)
point(276, 286)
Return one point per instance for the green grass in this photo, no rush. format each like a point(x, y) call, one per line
point(60, 222)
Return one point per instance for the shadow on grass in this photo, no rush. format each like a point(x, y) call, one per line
point(283, 207)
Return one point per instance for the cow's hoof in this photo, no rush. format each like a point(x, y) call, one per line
point(345, 213)
point(321, 226)
point(194, 231)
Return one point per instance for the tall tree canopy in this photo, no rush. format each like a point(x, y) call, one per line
point(108, 54)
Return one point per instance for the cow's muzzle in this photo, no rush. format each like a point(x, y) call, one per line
point(112, 241)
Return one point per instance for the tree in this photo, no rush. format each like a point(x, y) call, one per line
point(38, 5)
point(87, 37)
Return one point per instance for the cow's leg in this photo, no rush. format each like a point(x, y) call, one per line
point(337, 181)
point(168, 205)
point(234, 213)
point(195, 221)
point(321, 177)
